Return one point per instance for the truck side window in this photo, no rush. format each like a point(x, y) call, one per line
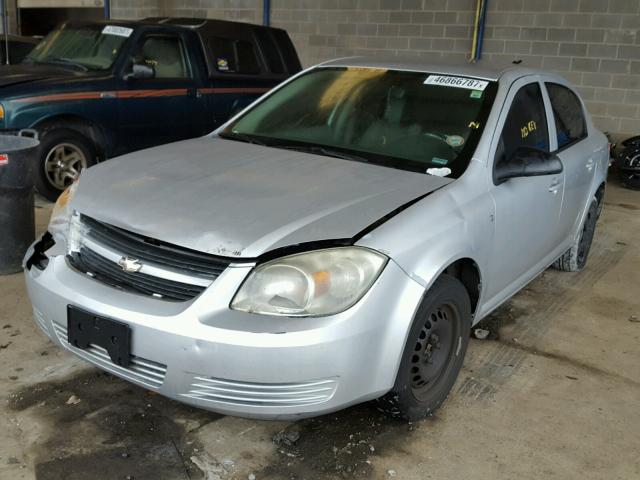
point(166, 54)
point(233, 56)
point(526, 123)
point(270, 51)
point(247, 58)
point(568, 115)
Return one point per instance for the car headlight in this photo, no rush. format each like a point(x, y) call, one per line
point(322, 282)
point(62, 214)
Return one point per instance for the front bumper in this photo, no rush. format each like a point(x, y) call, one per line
point(202, 353)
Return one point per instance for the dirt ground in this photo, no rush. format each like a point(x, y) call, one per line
point(553, 393)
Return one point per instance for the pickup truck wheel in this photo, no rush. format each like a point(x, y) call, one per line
point(434, 352)
point(63, 153)
point(575, 259)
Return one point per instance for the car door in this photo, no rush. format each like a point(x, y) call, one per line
point(569, 134)
point(166, 107)
point(527, 209)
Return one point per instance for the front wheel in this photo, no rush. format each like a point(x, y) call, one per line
point(63, 153)
point(434, 352)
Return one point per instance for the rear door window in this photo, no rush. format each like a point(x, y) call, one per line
point(568, 115)
point(526, 123)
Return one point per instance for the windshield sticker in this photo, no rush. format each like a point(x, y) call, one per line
point(455, 141)
point(439, 161)
point(119, 31)
point(4, 159)
point(457, 82)
point(223, 64)
point(439, 172)
point(476, 94)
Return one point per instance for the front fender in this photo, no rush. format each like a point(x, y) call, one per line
point(450, 224)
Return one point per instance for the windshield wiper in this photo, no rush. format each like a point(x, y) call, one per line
point(242, 138)
point(64, 61)
point(329, 152)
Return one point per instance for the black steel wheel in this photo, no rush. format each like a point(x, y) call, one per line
point(629, 167)
point(434, 351)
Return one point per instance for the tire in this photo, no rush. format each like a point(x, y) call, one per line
point(575, 259)
point(628, 165)
point(63, 153)
point(434, 352)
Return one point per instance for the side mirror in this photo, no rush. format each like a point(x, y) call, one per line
point(527, 162)
point(140, 71)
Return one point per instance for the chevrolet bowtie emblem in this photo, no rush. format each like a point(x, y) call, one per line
point(130, 265)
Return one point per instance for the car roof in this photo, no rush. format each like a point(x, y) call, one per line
point(485, 71)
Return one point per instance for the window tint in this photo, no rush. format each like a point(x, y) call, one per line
point(288, 51)
point(270, 51)
point(233, 56)
point(567, 113)
point(247, 58)
point(526, 123)
point(165, 54)
point(224, 55)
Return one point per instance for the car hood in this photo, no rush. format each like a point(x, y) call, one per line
point(241, 200)
point(24, 73)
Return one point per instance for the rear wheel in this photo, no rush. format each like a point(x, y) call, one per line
point(63, 153)
point(434, 352)
point(575, 259)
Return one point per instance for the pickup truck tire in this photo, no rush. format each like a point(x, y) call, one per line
point(63, 153)
point(575, 259)
point(434, 352)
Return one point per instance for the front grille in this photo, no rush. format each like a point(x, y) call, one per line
point(177, 273)
point(106, 271)
point(154, 251)
point(142, 371)
point(231, 392)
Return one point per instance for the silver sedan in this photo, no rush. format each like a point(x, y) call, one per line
point(333, 243)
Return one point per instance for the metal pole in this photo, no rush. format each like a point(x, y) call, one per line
point(266, 12)
point(107, 9)
point(5, 29)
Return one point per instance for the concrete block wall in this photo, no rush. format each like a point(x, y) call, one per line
point(133, 9)
point(593, 43)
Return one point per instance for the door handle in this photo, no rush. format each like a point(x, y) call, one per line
point(555, 186)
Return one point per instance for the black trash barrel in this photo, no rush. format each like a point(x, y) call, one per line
point(17, 226)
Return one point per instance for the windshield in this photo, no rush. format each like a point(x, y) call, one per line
point(86, 47)
point(414, 121)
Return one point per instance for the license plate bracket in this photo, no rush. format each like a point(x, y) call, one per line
point(85, 328)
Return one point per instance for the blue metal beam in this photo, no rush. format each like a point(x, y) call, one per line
point(266, 12)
